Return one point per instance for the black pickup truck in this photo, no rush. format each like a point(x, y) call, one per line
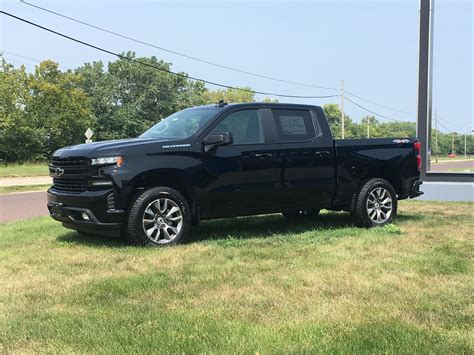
point(225, 160)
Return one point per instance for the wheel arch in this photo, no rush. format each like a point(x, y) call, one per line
point(172, 178)
point(386, 172)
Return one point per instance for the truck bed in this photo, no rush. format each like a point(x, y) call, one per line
point(393, 159)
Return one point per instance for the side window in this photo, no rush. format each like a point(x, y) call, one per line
point(294, 125)
point(245, 127)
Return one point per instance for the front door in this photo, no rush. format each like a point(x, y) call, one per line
point(242, 174)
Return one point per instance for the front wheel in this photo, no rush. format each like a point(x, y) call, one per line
point(159, 216)
point(376, 204)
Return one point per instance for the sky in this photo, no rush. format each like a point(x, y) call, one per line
point(371, 45)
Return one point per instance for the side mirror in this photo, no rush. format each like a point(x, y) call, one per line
point(215, 140)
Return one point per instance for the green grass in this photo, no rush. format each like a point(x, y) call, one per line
point(247, 285)
point(446, 158)
point(23, 188)
point(24, 170)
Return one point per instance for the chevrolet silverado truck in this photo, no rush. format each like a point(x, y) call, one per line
point(229, 160)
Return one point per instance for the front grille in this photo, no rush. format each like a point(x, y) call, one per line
point(71, 185)
point(62, 162)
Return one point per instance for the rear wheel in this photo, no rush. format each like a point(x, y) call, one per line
point(300, 214)
point(159, 216)
point(376, 204)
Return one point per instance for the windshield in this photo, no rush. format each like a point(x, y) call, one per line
point(181, 124)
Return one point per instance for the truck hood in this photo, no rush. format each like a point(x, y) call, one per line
point(104, 148)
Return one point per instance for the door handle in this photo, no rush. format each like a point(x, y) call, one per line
point(263, 155)
point(323, 153)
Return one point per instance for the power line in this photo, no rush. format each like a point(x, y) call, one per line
point(38, 61)
point(442, 125)
point(372, 112)
point(18, 61)
point(174, 52)
point(158, 68)
point(383, 106)
point(209, 62)
point(20, 56)
point(199, 59)
point(451, 123)
point(174, 102)
point(396, 110)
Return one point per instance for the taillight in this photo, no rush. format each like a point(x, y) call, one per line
point(417, 146)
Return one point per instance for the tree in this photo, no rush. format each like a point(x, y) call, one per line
point(127, 97)
point(40, 112)
point(360, 130)
point(19, 140)
point(333, 115)
point(269, 100)
point(398, 129)
point(57, 107)
point(230, 95)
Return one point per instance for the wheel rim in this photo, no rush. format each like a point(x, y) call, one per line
point(162, 220)
point(379, 205)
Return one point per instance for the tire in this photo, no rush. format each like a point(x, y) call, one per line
point(300, 214)
point(159, 216)
point(376, 204)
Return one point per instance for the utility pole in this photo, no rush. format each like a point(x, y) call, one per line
point(436, 135)
point(368, 127)
point(342, 109)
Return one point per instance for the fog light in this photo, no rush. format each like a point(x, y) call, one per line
point(101, 183)
point(85, 216)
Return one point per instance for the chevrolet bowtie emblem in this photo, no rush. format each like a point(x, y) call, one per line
point(58, 171)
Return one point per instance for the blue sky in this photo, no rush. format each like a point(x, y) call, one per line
point(372, 45)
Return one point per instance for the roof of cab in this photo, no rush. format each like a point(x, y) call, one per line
point(260, 104)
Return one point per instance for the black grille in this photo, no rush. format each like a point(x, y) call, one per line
point(69, 161)
point(72, 185)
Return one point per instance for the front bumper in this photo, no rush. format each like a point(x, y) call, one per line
point(70, 209)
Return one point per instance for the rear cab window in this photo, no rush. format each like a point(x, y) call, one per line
point(295, 125)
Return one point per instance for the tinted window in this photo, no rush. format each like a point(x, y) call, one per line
point(244, 125)
point(294, 125)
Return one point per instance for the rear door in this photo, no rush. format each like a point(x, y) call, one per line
point(304, 158)
point(243, 173)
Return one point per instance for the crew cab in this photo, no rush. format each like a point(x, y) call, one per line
point(228, 160)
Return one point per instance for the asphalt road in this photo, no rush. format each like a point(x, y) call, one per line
point(23, 205)
point(445, 166)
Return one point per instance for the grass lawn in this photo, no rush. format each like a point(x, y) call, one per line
point(23, 188)
point(255, 284)
point(446, 158)
point(26, 169)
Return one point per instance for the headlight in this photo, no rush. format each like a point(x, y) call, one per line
point(118, 161)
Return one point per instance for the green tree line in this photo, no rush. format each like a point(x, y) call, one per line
point(48, 108)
